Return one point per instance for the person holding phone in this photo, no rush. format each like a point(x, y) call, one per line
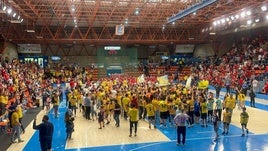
point(46, 130)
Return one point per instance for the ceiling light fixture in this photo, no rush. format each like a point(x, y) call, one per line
point(137, 11)
point(9, 10)
point(73, 8)
point(257, 20)
point(30, 31)
point(5, 9)
point(243, 14)
point(14, 21)
point(263, 8)
point(248, 13)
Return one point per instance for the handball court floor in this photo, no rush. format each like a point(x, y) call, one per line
point(87, 136)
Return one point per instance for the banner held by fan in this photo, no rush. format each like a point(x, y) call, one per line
point(203, 84)
point(163, 80)
point(188, 82)
point(141, 79)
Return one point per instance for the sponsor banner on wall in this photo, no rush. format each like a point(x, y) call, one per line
point(29, 48)
point(184, 49)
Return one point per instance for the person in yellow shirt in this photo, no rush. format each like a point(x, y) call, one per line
point(125, 103)
point(241, 100)
point(229, 102)
point(204, 112)
point(79, 97)
point(227, 116)
point(15, 123)
point(20, 114)
point(171, 110)
point(190, 112)
point(244, 121)
point(3, 101)
point(73, 103)
point(106, 112)
point(150, 113)
point(155, 103)
point(141, 104)
point(111, 109)
point(2, 105)
point(133, 119)
point(163, 108)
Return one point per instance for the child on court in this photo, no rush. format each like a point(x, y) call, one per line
point(215, 120)
point(244, 120)
point(101, 117)
point(227, 116)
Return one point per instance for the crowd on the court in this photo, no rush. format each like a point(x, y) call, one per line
point(107, 99)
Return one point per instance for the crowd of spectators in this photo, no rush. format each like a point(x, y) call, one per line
point(20, 83)
point(27, 84)
point(244, 63)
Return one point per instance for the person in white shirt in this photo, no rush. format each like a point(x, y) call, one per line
point(255, 85)
point(181, 121)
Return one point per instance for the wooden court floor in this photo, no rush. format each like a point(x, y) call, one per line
point(87, 136)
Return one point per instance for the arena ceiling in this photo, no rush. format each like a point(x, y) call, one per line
point(93, 22)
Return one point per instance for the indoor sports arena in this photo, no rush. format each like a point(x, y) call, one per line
point(133, 75)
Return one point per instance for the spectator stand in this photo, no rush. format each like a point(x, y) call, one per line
point(4, 124)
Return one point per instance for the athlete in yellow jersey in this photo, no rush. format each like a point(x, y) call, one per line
point(106, 112)
point(163, 107)
point(72, 103)
point(190, 104)
point(133, 119)
point(241, 100)
point(204, 112)
point(155, 103)
point(229, 102)
point(111, 109)
point(79, 100)
point(172, 111)
point(125, 103)
point(244, 121)
point(150, 113)
point(227, 115)
point(141, 104)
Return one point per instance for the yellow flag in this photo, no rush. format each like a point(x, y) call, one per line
point(203, 84)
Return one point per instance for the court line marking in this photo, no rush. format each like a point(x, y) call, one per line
point(191, 140)
point(162, 142)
